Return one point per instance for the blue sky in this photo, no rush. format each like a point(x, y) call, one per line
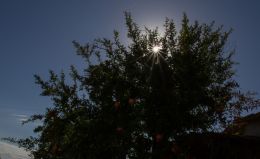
point(36, 36)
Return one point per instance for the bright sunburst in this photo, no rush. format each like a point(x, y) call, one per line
point(155, 54)
point(156, 49)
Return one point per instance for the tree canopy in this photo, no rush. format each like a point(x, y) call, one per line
point(135, 100)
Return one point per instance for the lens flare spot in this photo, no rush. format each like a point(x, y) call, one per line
point(156, 49)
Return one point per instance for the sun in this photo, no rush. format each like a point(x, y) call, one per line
point(156, 49)
point(155, 54)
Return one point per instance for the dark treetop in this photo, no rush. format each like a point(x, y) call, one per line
point(136, 100)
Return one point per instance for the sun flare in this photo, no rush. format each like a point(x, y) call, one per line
point(156, 48)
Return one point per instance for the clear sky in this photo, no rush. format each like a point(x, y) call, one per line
point(36, 35)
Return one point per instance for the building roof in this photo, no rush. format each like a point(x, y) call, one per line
point(219, 145)
point(237, 128)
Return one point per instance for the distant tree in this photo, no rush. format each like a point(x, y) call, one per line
point(135, 101)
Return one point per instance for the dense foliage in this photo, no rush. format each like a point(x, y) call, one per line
point(136, 100)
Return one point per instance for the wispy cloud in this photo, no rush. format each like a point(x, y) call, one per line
point(21, 117)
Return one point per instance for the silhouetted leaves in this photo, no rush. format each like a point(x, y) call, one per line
point(131, 101)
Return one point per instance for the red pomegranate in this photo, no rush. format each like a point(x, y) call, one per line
point(120, 130)
point(131, 101)
point(176, 149)
point(117, 105)
point(158, 137)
